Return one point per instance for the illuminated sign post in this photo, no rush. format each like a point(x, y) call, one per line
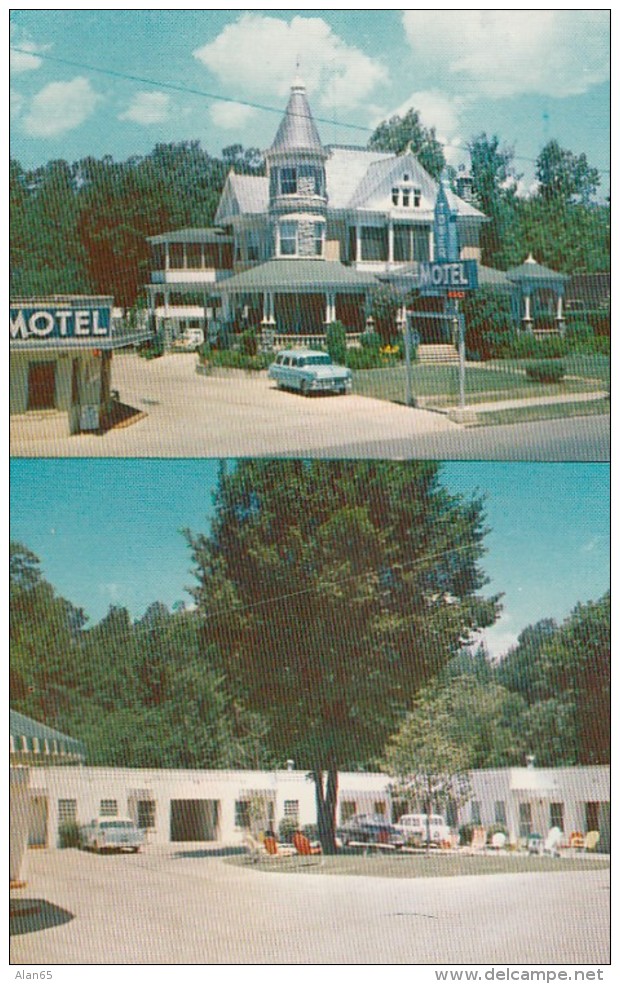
point(447, 274)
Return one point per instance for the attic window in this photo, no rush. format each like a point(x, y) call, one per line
point(405, 177)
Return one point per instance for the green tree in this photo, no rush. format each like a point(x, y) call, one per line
point(565, 177)
point(401, 134)
point(332, 592)
point(494, 190)
point(426, 760)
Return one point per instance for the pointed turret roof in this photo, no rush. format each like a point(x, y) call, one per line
point(297, 131)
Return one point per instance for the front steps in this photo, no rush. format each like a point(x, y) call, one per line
point(444, 354)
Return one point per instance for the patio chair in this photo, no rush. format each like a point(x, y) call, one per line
point(552, 842)
point(303, 846)
point(256, 850)
point(576, 840)
point(590, 841)
point(498, 841)
point(275, 850)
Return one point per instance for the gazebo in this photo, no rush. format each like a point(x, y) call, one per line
point(536, 287)
point(31, 743)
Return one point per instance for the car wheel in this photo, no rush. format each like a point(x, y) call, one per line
point(96, 847)
point(304, 388)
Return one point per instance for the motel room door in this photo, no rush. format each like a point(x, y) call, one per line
point(41, 385)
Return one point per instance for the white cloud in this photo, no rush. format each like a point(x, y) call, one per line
point(230, 115)
point(59, 107)
point(501, 53)
point(147, 108)
point(259, 53)
point(26, 59)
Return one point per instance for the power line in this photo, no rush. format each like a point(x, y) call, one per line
point(177, 87)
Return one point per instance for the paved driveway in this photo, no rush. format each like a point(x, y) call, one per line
point(186, 415)
point(162, 908)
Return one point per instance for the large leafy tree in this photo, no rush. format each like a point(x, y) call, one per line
point(333, 591)
point(564, 176)
point(407, 133)
point(494, 190)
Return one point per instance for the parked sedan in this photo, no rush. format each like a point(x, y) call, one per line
point(111, 834)
point(309, 372)
point(369, 828)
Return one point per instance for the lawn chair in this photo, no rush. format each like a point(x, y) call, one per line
point(305, 849)
point(590, 841)
point(275, 850)
point(552, 842)
point(254, 847)
point(498, 842)
point(576, 841)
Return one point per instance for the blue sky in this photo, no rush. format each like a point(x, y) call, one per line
point(108, 531)
point(526, 75)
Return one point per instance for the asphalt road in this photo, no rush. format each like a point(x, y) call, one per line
point(183, 414)
point(186, 908)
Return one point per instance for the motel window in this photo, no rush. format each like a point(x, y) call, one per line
point(253, 247)
point(556, 815)
point(406, 197)
point(288, 181)
point(176, 256)
point(146, 814)
point(500, 812)
point(374, 243)
point(242, 814)
point(380, 807)
point(525, 819)
point(318, 238)
point(475, 812)
point(348, 808)
point(291, 809)
point(194, 256)
point(159, 257)
point(288, 239)
point(67, 811)
point(108, 808)
point(417, 197)
point(395, 196)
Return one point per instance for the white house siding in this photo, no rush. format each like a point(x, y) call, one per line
point(210, 796)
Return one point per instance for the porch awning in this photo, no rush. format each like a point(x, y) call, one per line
point(31, 743)
point(291, 276)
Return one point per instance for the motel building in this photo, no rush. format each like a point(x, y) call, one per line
point(304, 245)
point(61, 357)
point(211, 806)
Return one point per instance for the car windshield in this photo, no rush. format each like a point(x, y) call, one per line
point(315, 360)
point(117, 825)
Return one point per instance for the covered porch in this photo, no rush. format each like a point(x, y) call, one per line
point(296, 297)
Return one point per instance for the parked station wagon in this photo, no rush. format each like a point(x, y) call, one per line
point(111, 834)
point(309, 371)
point(414, 827)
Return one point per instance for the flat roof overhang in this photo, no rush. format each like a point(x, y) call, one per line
point(77, 344)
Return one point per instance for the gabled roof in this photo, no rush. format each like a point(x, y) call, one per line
point(345, 168)
point(243, 194)
point(290, 275)
point(297, 130)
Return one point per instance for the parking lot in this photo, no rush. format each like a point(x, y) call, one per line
point(182, 905)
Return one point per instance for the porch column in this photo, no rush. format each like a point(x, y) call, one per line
point(330, 307)
point(560, 315)
point(390, 242)
point(166, 256)
point(358, 243)
point(268, 308)
point(527, 318)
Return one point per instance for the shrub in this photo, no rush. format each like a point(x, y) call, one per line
point(466, 834)
point(153, 348)
point(204, 352)
point(371, 341)
point(364, 359)
point(286, 829)
point(234, 359)
point(545, 371)
point(249, 342)
point(336, 341)
point(487, 322)
point(69, 834)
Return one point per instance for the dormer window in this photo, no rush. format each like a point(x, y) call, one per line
point(405, 196)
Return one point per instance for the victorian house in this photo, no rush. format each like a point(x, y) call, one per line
point(306, 244)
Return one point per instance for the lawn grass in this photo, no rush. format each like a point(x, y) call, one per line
point(436, 864)
point(438, 385)
point(520, 415)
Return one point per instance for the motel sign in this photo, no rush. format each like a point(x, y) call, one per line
point(459, 275)
point(59, 322)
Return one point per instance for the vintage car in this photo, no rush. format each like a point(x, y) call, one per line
point(369, 828)
point(416, 828)
point(111, 834)
point(309, 371)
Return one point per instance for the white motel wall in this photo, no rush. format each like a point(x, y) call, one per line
point(211, 806)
